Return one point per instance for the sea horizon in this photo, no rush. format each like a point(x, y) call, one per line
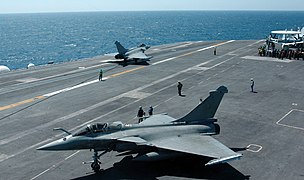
point(98, 11)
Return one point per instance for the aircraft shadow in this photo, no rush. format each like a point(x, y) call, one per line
point(188, 167)
point(124, 64)
point(238, 149)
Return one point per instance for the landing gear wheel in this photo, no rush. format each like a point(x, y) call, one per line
point(95, 167)
point(96, 163)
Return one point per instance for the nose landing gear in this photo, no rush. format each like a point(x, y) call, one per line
point(96, 162)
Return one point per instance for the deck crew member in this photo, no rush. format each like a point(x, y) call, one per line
point(100, 75)
point(179, 88)
point(252, 84)
point(150, 112)
point(140, 114)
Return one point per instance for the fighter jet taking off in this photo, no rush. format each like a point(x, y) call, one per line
point(135, 55)
point(158, 137)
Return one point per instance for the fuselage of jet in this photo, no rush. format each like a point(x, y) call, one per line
point(107, 137)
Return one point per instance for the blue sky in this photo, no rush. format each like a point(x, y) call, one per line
point(28, 6)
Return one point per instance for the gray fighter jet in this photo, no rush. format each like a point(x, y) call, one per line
point(158, 137)
point(136, 54)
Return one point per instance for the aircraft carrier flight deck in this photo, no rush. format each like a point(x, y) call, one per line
point(266, 125)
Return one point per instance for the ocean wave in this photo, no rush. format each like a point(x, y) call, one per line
point(70, 45)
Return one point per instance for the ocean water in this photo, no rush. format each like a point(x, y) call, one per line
point(60, 37)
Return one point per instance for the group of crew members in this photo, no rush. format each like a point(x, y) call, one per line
point(141, 115)
point(295, 54)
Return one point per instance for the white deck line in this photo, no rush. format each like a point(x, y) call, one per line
point(289, 126)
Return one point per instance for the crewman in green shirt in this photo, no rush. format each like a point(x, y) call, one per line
point(100, 75)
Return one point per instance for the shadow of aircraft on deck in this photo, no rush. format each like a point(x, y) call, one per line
point(186, 167)
point(127, 63)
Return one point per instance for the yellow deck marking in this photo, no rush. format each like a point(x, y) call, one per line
point(127, 71)
point(21, 103)
point(220, 44)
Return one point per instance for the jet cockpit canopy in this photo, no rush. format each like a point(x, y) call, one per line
point(99, 128)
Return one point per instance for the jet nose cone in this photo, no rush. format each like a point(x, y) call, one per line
point(61, 144)
point(44, 147)
point(50, 146)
